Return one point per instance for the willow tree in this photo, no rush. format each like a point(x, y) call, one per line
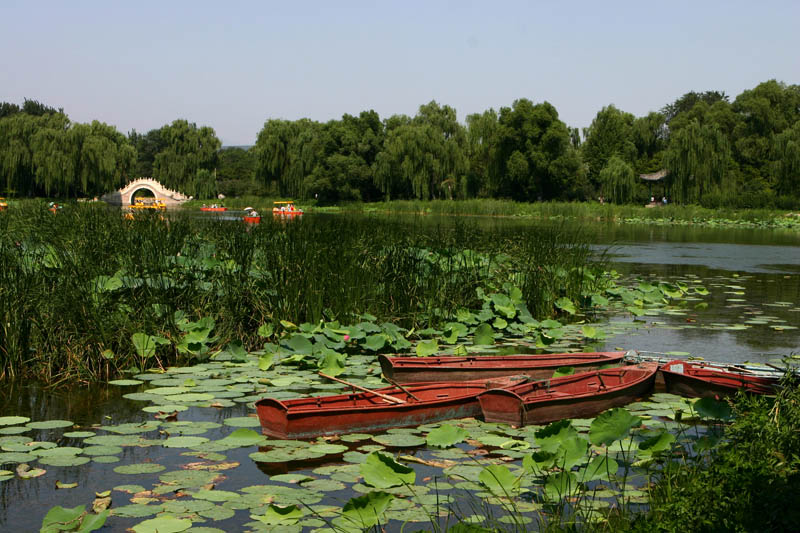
point(16, 151)
point(618, 180)
point(287, 153)
point(610, 134)
point(55, 156)
point(481, 149)
point(697, 157)
point(188, 150)
point(105, 157)
point(786, 160)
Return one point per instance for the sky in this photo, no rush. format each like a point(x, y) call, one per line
point(233, 65)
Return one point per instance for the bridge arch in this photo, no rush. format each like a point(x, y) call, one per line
point(124, 196)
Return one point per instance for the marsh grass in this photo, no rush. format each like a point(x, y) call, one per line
point(76, 285)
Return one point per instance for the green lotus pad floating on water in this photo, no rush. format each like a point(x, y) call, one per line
point(125, 382)
point(140, 468)
point(50, 424)
point(163, 524)
point(13, 420)
point(184, 442)
point(399, 440)
point(242, 422)
point(64, 460)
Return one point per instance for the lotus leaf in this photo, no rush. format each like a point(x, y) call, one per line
point(14, 430)
point(382, 471)
point(483, 335)
point(136, 510)
point(399, 440)
point(190, 397)
point(64, 460)
point(601, 467)
point(56, 451)
point(163, 524)
point(712, 408)
point(427, 347)
point(499, 480)
point(113, 440)
point(50, 424)
point(139, 468)
point(446, 435)
point(13, 420)
point(561, 485)
point(364, 511)
point(612, 425)
point(105, 459)
point(79, 434)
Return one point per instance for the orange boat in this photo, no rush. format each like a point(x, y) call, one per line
point(376, 410)
point(214, 208)
point(463, 368)
point(698, 379)
point(577, 396)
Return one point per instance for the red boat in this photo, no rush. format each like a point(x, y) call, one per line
point(575, 396)
point(698, 379)
point(457, 368)
point(252, 220)
point(389, 407)
point(214, 208)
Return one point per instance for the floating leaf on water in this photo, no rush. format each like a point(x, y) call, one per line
point(50, 424)
point(140, 468)
point(125, 382)
point(190, 397)
point(105, 459)
point(14, 430)
point(79, 434)
point(64, 460)
point(355, 437)
point(243, 437)
point(163, 524)
point(113, 440)
point(276, 515)
point(55, 451)
point(183, 442)
point(382, 471)
point(13, 420)
point(26, 472)
point(446, 435)
point(427, 347)
point(499, 480)
point(399, 440)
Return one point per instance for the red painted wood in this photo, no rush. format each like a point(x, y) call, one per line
point(698, 379)
point(252, 220)
point(301, 418)
point(458, 368)
point(577, 396)
point(215, 209)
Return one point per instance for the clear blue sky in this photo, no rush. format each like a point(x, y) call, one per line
point(232, 65)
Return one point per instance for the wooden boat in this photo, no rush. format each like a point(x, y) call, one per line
point(700, 379)
point(458, 368)
point(286, 208)
point(213, 208)
point(576, 396)
point(389, 407)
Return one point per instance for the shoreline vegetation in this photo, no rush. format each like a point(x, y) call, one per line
point(704, 148)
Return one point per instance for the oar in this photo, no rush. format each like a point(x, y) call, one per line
point(364, 389)
point(396, 384)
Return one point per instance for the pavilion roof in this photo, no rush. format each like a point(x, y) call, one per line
point(655, 176)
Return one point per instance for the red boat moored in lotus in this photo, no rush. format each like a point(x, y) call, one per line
point(214, 208)
point(389, 407)
point(576, 396)
point(458, 368)
point(699, 379)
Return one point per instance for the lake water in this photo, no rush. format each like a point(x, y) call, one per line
point(751, 314)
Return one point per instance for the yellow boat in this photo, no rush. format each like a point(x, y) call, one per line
point(3, 204)
point(141, 203)
point(285, 208)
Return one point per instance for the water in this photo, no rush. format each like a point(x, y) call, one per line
point(754, 281)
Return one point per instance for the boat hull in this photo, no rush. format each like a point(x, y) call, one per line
point(456, 368)
point(214, 209)
point(252, 220)
point(577, 396)
point(698, 380)
point(303, 418)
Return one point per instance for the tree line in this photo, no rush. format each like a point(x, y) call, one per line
point(744, 152)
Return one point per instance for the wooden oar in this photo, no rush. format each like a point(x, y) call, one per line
point(402, 388)
point(364, 389)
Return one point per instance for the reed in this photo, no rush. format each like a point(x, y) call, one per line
point(76, 285)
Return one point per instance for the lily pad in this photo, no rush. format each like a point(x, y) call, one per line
point(184, 442)
point(50, 424)
point(163, 524)
point(399, 440)
point(140, 468)
point(13, 420)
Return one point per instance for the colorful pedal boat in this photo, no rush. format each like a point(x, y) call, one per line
point(464, 368)
point(699, 379)
point(576, 396)
point(419, 403)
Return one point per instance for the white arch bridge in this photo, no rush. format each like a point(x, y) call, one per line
point(124, 196)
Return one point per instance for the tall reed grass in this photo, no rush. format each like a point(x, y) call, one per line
point(75, 285)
